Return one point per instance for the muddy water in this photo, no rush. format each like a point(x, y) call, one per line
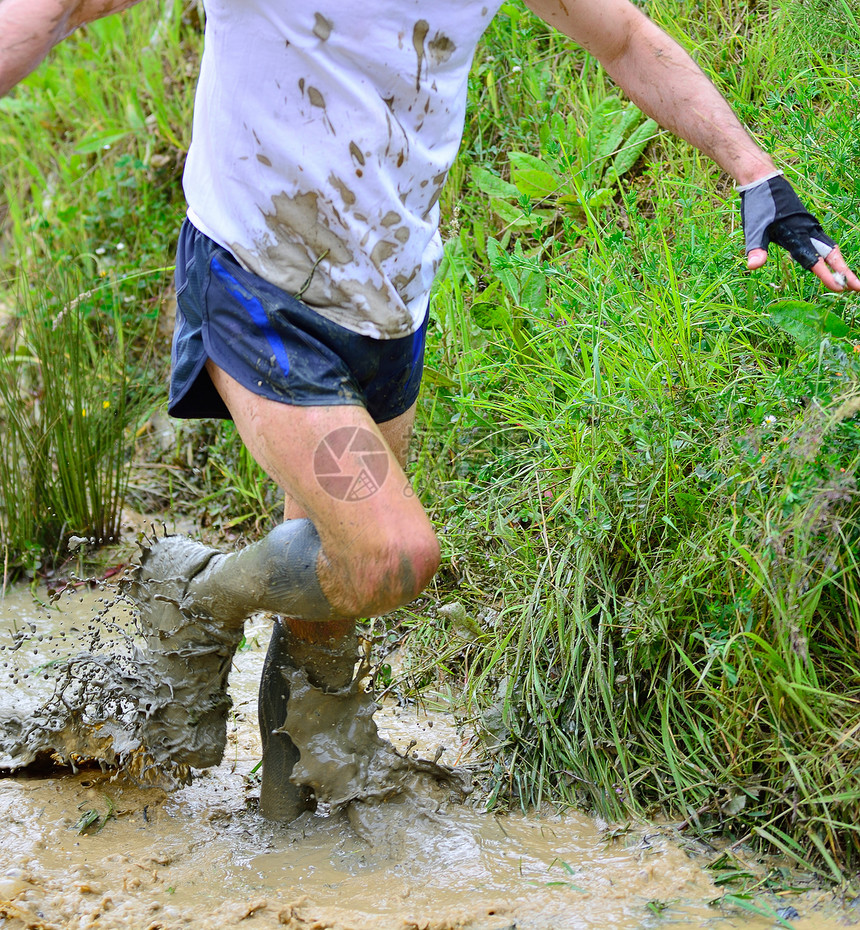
point(90, 849)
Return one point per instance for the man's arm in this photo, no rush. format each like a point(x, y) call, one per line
point(664, 81)
point(29, 29)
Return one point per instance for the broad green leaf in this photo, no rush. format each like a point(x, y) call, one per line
point(533, 290)
point(604, 118)
point(500, 262)
point(807, 323)
point(523, 160)
point(570, 202)
point(598, 198)
point(491, 315)
point(513, 215)
point(533, 176)
point(434, 376)
point(533, 183)
point(492, 184)
point(98, 141)
point(634, 147)
point(625, 124)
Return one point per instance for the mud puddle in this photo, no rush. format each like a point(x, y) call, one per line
point(88, 850)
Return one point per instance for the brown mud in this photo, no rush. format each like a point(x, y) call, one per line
point(94, 849)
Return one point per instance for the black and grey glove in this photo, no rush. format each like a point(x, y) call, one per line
point(772, 212)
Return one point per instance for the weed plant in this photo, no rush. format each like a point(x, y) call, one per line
point(641, 459)
point(68, 411)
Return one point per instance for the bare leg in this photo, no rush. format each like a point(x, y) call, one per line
point(378, 551)
point(326, 651)
point(397, 434)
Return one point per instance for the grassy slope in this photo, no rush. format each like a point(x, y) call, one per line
point(641, 459)
point(650, 477)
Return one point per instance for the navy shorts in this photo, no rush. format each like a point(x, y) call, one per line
point(274, 345)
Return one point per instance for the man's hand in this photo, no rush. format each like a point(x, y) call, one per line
point(772, 212)
point(29, 29)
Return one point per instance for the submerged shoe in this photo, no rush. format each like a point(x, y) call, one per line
point(280, 799)
point(187, 655)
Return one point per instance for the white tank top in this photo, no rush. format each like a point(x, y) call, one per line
point(322, 137)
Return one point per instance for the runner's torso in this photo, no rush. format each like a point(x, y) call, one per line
point(323, 134)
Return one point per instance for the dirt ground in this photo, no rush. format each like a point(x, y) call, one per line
point(91, 850)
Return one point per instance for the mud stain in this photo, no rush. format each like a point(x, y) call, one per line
point(305, 253)
point(93, 849)
point(356, 153)
point(347, 195)
point(382, 251)
point(440, 48)
point(322, 27)
point(316, 98)
point(419, 37)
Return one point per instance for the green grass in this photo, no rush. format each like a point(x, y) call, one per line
point(650, 473)
point(641, 459)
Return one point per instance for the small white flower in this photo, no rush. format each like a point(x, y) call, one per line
point(769, 421)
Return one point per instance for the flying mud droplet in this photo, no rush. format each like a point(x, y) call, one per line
point(89, 697)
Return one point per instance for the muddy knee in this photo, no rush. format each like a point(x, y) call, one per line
point(386, 574)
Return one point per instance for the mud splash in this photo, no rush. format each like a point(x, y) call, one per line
point(94, 850)
point(77, 694)
point(350, 767)
point(153, 704)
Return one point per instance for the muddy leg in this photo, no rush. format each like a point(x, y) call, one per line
point(329, 661)
point(280, 799)
point(327, 652)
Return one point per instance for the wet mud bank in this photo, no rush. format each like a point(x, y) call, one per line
point(93, 849)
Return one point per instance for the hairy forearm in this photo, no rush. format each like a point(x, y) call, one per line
point(660, 77)
point(29, 29)
point(664, 82)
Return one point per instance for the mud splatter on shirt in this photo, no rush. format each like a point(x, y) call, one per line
point(322, 139)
